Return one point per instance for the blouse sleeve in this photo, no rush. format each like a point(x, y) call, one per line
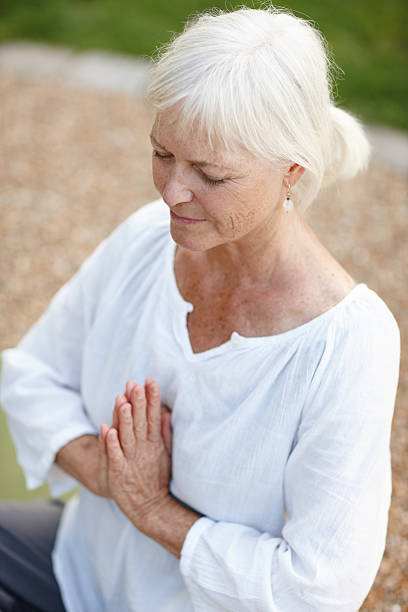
point(41, 386)
point(337, 488)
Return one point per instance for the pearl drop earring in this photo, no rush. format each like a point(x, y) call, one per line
point(288, 204)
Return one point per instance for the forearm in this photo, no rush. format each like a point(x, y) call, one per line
point(169, 523)
point(80, 459)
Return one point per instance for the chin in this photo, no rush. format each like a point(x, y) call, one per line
point(187, 241)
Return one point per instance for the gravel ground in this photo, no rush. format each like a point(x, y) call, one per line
point(74, 163)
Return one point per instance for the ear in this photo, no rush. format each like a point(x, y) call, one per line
point(294, 173)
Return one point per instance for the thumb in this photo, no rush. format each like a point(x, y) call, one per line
point(166, 430)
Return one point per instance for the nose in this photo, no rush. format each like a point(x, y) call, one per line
point(175, 188)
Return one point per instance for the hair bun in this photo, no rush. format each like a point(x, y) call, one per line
point(349, 147)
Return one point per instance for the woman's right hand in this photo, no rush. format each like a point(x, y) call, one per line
point(165, 415)
point(84, 458)
point(102, 476)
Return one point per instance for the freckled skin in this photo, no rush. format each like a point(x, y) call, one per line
point(240, 220)
point(246, 265)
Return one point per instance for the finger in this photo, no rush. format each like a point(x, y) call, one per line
point(153, 409)
point(102, 441)
point(126, 435)
point(103, 430)
point(130, 385)
point(120, 400)
point(138, 401)
point(103, 457)
point(114, 451)
point(166, 430)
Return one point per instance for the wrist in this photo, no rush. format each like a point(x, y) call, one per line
point(154, 513)
point(80, 459)
point(168, 523)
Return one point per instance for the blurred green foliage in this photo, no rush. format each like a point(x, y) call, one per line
point(368, 38)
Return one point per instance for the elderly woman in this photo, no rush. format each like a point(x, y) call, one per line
point(270, 488)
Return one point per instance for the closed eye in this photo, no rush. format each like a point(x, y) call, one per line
point(208, 179)
point(161, 155)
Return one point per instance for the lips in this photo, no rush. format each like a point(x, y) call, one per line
point(185, 220)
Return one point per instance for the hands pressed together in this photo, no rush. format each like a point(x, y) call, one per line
point(134, 463)
point(130, 462)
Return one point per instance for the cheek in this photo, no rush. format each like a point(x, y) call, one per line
point(241, 221)
point(159, 175)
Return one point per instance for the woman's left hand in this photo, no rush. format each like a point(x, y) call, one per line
point(137, 461)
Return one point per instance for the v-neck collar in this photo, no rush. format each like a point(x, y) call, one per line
point(183, 308)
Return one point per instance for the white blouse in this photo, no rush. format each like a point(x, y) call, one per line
point(281, 442)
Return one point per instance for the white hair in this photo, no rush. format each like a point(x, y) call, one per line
point(260, 79)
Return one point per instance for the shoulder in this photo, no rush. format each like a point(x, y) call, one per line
point(358, 348)
point(143, 231)
point(132, 245)
point(356, 324)
point(363, 321)
point(149, 220)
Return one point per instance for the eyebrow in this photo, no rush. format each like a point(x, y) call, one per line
point(192, 161)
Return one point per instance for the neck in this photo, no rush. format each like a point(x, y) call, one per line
point(268, 255)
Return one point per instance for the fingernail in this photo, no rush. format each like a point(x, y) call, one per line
point(152, 385)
